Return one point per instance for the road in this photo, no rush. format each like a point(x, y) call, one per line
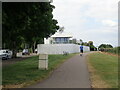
point(71, 74)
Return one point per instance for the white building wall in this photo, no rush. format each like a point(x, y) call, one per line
point(46, 41)
point(59, 48)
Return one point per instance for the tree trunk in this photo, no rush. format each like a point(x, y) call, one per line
point(14, 53)
point(34, 47)
point(14, 50)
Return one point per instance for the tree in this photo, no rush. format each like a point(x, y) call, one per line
point(90, 43)
point(105, 46)
point(42, 22)
point(12, 23)
point(29, 23)
point(85, 44)
point(81, 41)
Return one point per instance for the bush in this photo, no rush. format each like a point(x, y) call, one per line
point(115, 50)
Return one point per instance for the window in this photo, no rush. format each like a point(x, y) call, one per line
point(61, 40)
point(57, 40)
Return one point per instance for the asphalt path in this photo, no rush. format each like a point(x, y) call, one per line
point(71, 74)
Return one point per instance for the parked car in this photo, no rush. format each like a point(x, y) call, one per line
point(25, 52)
point(5, 54)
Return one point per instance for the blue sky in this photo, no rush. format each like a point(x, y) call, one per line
point(89, 20)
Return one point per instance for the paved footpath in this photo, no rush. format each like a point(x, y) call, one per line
point(71, 74)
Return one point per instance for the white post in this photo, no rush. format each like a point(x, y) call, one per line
point(43, 62)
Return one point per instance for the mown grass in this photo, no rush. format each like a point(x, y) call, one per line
point(106, 67)
point(27, 72)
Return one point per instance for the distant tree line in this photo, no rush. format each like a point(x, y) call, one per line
point(102, 47)
point(109, 48)
point(26, 24)
point(81, 42)
point(105, 46)
point(115, 50)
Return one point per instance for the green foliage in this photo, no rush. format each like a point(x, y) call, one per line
point(90, 43)
point(27, 22)
point(115, 50)
point(92, 48)
point(85, 44)
point(105, 46)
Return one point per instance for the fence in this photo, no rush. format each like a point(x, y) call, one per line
point(59, 48)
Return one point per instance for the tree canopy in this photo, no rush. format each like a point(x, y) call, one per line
point(27, 22)
point(105, 46)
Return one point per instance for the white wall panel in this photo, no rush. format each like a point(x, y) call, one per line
point(59, 48)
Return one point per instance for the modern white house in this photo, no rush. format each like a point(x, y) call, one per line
point(58, 44)
point(58, 38)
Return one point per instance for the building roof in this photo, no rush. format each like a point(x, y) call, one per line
point(58, 34)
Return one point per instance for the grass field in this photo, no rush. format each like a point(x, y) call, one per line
point(103, 70)
point(26, 72)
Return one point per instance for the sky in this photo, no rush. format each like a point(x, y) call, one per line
point(89, 20)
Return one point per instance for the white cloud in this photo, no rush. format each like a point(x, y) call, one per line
point(109, 23)
point(103, 9)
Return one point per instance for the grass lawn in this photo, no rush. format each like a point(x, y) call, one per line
point(26, 72)
point(103, 70)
